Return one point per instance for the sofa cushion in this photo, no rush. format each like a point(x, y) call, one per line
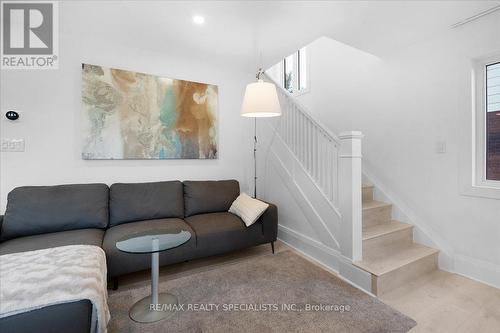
point(222, 232)
point(44, 241)
point(33, 210)
point(121, 263)
point(248, 209)
point(145, 201)
point(209, 196)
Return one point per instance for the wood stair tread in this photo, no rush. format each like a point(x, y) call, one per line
point(375, 204)
point(394, 258)
point(384, 229)
point(366, 186)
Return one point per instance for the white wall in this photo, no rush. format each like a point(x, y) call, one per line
point(49, 102)
point(404, 104)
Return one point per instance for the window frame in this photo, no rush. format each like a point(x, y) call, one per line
point(485, 153)
point(473, 166)
point(296, 71)
point(308, 72)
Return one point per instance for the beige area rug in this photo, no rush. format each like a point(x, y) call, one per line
point(275, 293)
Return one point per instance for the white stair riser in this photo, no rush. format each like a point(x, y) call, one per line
point(367, 194)
point(405, 274)
point(396, 238)
point(376, 215)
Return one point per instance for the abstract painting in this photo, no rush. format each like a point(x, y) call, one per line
point(129, 115)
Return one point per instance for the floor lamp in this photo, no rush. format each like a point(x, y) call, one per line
point(261, 100)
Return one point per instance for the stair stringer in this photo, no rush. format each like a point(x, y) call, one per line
point(322, 218)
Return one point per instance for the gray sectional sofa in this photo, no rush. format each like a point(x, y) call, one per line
point(40, 217)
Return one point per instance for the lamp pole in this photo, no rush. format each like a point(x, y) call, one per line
point(257, 76)
point(255, 158)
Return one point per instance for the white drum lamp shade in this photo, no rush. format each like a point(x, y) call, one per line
point(261, 100)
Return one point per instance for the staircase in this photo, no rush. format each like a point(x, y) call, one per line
point(389, 253)
point(346, 228)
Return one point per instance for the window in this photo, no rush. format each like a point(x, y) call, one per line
point(492, 120)
point(295, 72)
point(302, 70)
point(480, 157)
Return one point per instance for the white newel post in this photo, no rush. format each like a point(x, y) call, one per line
point(350, 195)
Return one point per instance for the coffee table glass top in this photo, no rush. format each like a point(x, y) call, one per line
point(153, 241)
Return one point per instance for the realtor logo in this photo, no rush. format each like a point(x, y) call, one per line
point(29, 35)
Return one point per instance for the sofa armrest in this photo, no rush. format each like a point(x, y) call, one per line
point(270, 222)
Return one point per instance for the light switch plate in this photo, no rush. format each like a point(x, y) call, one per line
point(440, 147)
point(12, 145)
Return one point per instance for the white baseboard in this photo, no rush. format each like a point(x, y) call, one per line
point(354, 275)
point(478, 270)
point(329, 258)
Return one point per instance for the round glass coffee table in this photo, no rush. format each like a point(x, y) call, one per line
point(157, 306)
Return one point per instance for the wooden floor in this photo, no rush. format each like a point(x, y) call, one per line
point(445, 302)
point(441, 302)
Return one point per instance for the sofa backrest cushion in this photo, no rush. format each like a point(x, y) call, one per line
point(33, 210)
point(209, 196)
point(145, 201)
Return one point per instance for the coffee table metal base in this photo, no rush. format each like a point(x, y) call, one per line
point(156, 306)
point(145, 311)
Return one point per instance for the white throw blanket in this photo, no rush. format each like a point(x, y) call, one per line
point(35, 279)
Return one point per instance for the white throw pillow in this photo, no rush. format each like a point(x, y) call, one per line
point(248, 208)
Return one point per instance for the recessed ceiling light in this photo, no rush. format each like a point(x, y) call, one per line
point(198, 19)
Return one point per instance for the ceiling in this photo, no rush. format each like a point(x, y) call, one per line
point(236, 32)
point(377, 27)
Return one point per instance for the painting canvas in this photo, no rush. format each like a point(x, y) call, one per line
point(129, 115)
